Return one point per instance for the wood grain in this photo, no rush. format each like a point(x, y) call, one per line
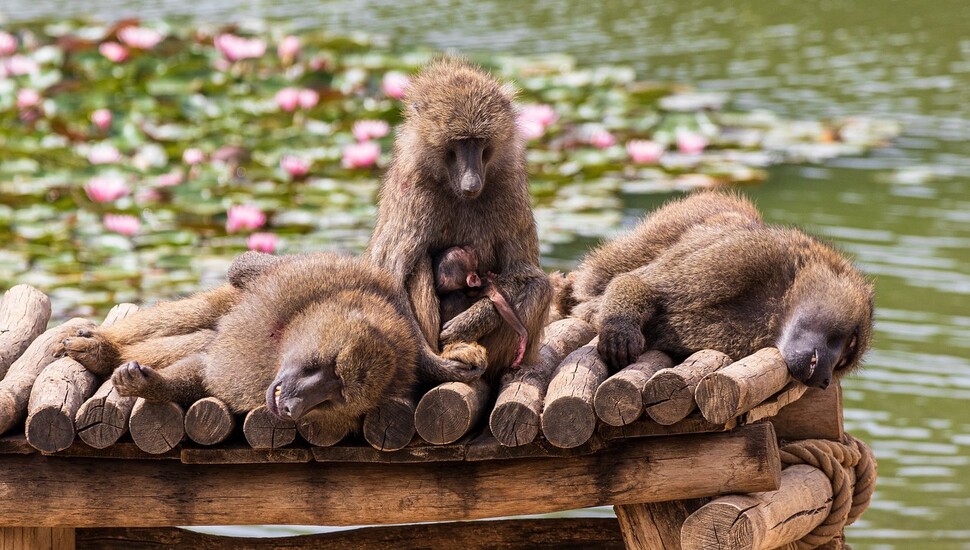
point(209, 421)
point(156, 427)
point(54, 401)
point(619, 400)
point(24, 312)
point(450, 410)
point(568, 418)
point(739, 387)
point(669, 395)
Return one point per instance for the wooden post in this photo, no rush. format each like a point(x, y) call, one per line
point(652, 526)
point(669, 395)
point(568, 419)
point(816, 415)
point(763, 520)
point(448, 411)
point(265, 430)
point(619, 400)
point(319, 431)
point(390, 426)
point(515, 418)
point(36, 538)
point(737, 388)
point(15, 387)
point(155, 427)
point(209, 421)
point(54, 401)
point(24, 312)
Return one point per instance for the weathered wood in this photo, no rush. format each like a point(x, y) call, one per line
point(265, 430)
point(516, 416)
point(390, 426)
point(647, 427)
point(669, 395)
point(36, 538)
point(103, 418)
point(63, 492)
point(209, 421)
point(16, 386)
point(771, 406)
point(124, 450)
point(568, 419)
point(245, 455)
point(536, 534)
point(448, 411)
point(318, 430)
point(24, 312)
point(54, 401)
point(765, 519)
point(156, 427)
point(816, 415)
point(15, 444)
point(421, 453)
point(737, 388)
point(619, 400)
point(486, 448)
point(653, 526)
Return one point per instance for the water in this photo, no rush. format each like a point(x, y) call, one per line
point(902, 211)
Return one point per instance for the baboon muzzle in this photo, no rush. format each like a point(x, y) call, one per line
point(470, 168)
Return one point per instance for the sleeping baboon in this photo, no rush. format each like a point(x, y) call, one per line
point(458, 178)
point(705, 272)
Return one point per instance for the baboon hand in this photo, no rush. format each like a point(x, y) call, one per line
point(620, 345)
point(134, 380)
point(467, 362)
point(90, 349)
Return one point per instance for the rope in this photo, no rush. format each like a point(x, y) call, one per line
point(849, 500)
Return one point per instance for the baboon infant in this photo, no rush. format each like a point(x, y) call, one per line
point(459, 285)
point(706, 272)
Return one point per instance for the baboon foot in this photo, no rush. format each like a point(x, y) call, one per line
point(469, 361)
point(134, 380)
point(92, 350)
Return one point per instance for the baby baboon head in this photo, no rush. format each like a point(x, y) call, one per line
point(455, 269)
point(460, 124)
point(830, 322)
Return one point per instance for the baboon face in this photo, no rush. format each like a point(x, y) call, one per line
point(456, 268)
point(302, 383)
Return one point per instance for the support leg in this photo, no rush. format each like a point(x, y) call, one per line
point(652, 526)
point(36, 538)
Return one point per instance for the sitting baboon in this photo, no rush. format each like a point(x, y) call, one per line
point(705, 272)
point(458, 178)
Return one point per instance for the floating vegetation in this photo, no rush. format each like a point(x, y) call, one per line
point(139, 158)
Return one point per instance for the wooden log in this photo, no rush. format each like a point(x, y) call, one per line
point(774, 404)
point(209, 421)
point(317, 430)
point(54, 401)
point(737, 388)
point(103, 418)
point(265, 430)
point(37, 538)
point(449, 411)
point(390, 426)
point(669, 396)
point(515, 418)
point(24, 312)
point(568, 419)
point(763, 520)
point(619, 400)
point(816, 415)
point(64, 492)
point(245, 455)
point(15, 387)
point(646, 427)
point(156, 427)
point(654, 526)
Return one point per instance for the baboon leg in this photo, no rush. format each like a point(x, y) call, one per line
point(424, 300)
point(625, 309)
point(181, 382)
point(460, 362)
point(160, 353)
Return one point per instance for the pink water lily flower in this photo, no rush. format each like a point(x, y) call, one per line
point(234, 47)
point(308, 98)
point(288, 99)
point(104, 153)
point(262, 242)
point(361, 155)
point(140, 37)
point(395, 83)
point(114, 52)
point(17, 65)
point(530, 129)
point(102, 119)
point(121, 223)
point(542, 114)
point(288, 49)
point(8, 43)
point(294, 166)
point(193, 155)
point(170, 179)
point(365, 130)
point(106, 188)
point(602, 139)
point(691, 143)
point(244, 216)
point(28, 97)
point(644, 151)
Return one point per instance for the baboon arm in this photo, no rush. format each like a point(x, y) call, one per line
point(424, 299)
point(197, 312)
point(626, 306)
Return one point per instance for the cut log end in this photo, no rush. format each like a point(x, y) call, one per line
point(101, 423)
point(448, 411)
point(721, 526)
point(264, 430)
point(514, 423)
point(156, 428)
point(568, 422)
point(50, 430)
point(320, 433)
point(739, 387)
point(390, 426)
point(209, 421)
point(618, 402)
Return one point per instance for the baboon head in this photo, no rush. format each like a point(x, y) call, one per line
point(829, 323)
point(456, 268)
point(460, 124)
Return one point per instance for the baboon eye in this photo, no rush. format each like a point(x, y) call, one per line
point(487, 154)
point(452, 157)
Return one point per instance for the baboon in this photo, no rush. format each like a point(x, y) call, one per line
point(705, 272)
point(458, 177)
point(459, 285)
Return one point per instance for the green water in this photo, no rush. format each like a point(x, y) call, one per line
point(903, 211)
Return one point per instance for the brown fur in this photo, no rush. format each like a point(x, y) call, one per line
point(705, 272)
point(422, 211)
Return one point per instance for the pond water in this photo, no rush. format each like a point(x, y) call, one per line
point(902, 211)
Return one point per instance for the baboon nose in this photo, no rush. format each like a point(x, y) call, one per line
point(824, 384)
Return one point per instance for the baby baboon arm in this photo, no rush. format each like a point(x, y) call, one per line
point(473, 323)
point(510, 317)
point(627, 305)
point(181, 382)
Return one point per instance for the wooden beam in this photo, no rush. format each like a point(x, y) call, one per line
point(54, 401)
point(94, 492)
point(390, 426)
point(36, 538)
point(669, 395)
point(740, 386)
point(447, 412)
point(568, 418)
point(654, 526)
point(816, 415)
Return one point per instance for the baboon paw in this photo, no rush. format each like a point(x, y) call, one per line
point(468, 361)
point(91, 350)
point(134, 380)
point(620, 346)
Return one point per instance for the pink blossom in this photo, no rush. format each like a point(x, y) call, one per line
point(121, 223)
point(140, 37)
point(8, 43)
point(104, 153)
point(602, 139)
point(531, 129)
point(106, 188)
point(644, 151)
point(288, 99)
point(28, 97)
point(294, 166)
point(193, 155)
point(262, 242)
point(542, 114)
point(115, 52)
point(395, 83)
point(361, 155)
point(18, 65)
point(102, 119)
point(234, 47)
point(244, 217)
point(365, 130)
point(309, 98)
point(288, 49)
point(147, 195)
point(170, 179)
point(691, 143)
